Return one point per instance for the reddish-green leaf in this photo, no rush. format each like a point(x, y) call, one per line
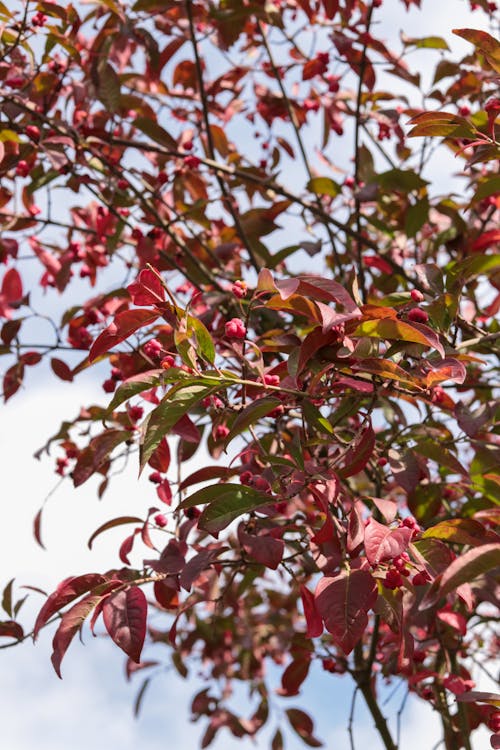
point(120, 521)
point(66, 592)
point(399, 330)
point(458, 531)
point(469, 566)
point(124, 325)
point(71, 622)
point(124, 614)
point(97, 453)
point(250, 415)
point(134, 385)
point(176, 404)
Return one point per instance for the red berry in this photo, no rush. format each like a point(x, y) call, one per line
point(416, 295)
point(167, 362)
point(392, 579)
point(155, 477)
point(22, 168)
point(135, 413)
point(494, 722)
point(162, 177)
point(192, 161)
point(33, 132)
point(109, 386)
point(122, 184)
point(418, 316)
point(161, 520)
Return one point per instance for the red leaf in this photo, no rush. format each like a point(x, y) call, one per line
point(343, 602)
point(313, 618)
point(331, 7)
point(97, 453)
point(187, 430)
point(383, 543)
point(66, 592)
point(147, 290)
point(264, 549)
point(12, 286)
point(486, 240)
point(359, 453)
point(126, 547)
point(11, 629)
point(12, 380)
point(71, 622)
point(293, 677)
point(61, 369)
point(124, 615)
point(30, 358)
point(124, 324)
point(303, 725)
point(37, 528)
point(165, 595)
point(193, 569)
point(160, 459)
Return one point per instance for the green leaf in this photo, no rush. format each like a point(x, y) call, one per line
point(324, 186)
point(226, 502)
point(108, 89)
point(490, 186)
point(251, 414)
point(205, 345)
point(175, 404)
point(425, 42)
point(156, 132)
point(404, 180)
point(134, 385)
point(314, 418)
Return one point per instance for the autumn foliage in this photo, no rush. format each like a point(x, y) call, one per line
point(296, 335)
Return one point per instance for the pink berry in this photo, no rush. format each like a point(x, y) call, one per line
point(239, 289)
point(416, 295)
point(235, 329)
point(167, 362)
point(221, 431)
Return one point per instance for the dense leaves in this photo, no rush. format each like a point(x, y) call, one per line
point(296, 336)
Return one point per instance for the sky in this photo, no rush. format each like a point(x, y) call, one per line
point(92, 705)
